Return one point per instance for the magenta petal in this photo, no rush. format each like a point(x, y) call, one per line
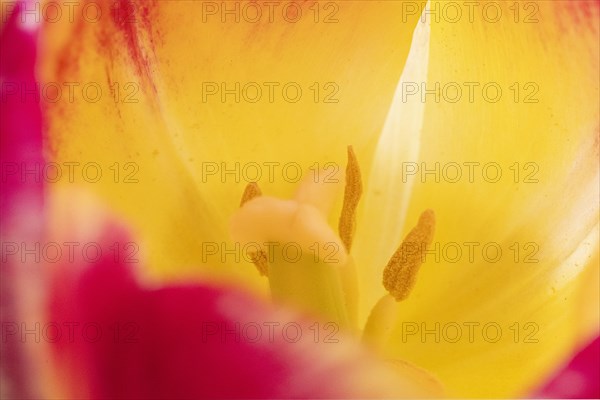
point(580, 379)
point(20, 120)
point(21, 196)
point(193, 341)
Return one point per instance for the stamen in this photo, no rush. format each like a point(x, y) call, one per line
point(259, 258)
point(399, 276)
point(352, 193)
point(252, 190)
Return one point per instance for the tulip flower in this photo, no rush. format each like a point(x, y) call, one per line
point(476, 133)
point(95, 329)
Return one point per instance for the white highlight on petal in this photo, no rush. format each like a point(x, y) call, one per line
point(31, 16)
point(387, 196)
point(576, 262)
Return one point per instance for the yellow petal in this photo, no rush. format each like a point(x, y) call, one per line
point(176, 133)
point(551, 212)
point(588, 319)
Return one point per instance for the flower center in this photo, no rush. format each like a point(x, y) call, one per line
point(311, 266)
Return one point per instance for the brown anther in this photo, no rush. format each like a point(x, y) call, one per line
point(352, 193)
point(399, 275)
point(259, 258)
point(252, 190)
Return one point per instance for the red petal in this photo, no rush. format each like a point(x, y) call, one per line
point(580, 379)
point(196, 340)
point(21, 196)
point(20, 119)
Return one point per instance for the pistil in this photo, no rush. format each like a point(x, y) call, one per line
point(319, 274)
